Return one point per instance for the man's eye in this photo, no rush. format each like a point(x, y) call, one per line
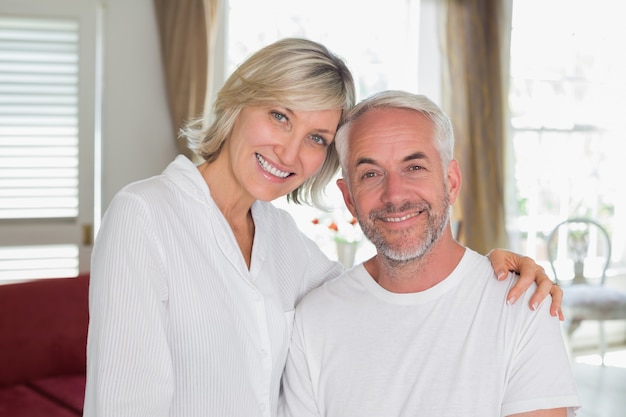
point(415, 168)
point(369, 175)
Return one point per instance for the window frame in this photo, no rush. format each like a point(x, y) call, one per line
point(78, 231)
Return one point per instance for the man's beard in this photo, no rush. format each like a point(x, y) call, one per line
point(409, 245)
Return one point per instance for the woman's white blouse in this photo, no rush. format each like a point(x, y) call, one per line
point(178, 324)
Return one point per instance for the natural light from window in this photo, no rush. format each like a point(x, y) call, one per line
point(568, 100)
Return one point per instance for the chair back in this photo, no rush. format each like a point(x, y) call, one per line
point(579, 251)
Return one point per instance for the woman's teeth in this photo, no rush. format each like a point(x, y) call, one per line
point(271, 169)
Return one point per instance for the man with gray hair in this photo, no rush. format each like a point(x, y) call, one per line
point(421, 328)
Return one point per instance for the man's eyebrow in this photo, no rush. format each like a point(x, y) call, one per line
point(416, 155)
point(408, 158)
point(363, 161)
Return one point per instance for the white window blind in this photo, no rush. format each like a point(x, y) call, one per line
point(18, 263)
point(38, 118)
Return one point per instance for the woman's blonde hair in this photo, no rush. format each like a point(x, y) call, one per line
point(295, 73)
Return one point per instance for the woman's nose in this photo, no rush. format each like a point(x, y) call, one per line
point(289, 150)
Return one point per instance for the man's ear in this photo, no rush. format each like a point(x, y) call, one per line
point(454, 180)
point(347, 197)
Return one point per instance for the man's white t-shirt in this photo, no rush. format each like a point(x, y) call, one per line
point(456, 349)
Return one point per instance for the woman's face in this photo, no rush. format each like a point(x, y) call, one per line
point(273, 149)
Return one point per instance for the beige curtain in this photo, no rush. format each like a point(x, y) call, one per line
point(187, 33)
point(476, 34)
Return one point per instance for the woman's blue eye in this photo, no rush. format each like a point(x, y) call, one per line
point(279, 116)
point(319, 139)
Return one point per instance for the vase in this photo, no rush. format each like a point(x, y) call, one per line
point(346, 252)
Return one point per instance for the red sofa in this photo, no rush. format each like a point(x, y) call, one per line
point(43, 340)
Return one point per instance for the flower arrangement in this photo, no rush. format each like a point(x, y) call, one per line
point(341, 226)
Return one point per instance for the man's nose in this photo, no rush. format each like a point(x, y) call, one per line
point(394, 190)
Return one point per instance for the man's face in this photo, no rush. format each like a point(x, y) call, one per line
point(397, 187)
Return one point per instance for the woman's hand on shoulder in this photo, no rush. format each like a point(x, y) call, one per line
point(504, 261)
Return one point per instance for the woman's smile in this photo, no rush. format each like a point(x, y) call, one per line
point(271, 169)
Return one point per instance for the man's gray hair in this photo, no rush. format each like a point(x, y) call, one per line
point(395, 99)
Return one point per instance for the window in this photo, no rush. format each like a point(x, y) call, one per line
point(379, 44)
point(568, 99)
point(47, 114)
point(379, 59)
point(38, 118)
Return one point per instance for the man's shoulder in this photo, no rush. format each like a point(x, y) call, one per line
point(472, 259)
point(474, 266)
point(334, 291)
point(478, 279)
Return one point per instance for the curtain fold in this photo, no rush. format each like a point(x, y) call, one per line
point(187, 35)
point(476, 34)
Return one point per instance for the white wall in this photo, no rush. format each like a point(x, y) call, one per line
point(137, 135)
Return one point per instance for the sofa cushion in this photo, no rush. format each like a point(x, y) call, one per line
point(21, 401)
point(67, 390)
point(44, 328)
